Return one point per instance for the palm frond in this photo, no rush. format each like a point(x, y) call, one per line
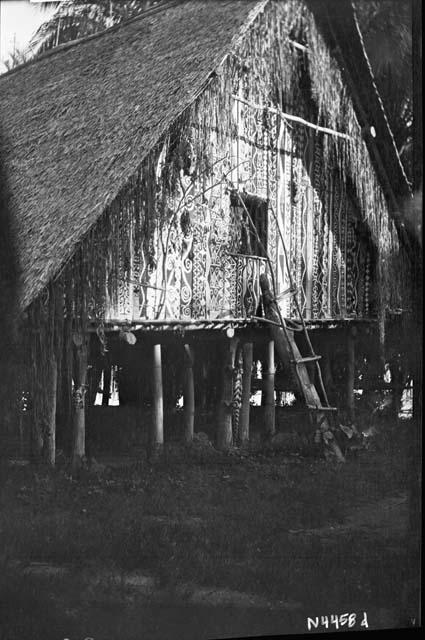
point(74, 19)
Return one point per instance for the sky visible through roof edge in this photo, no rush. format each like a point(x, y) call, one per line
point(19, 20)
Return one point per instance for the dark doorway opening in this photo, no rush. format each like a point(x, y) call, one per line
point(252, 241)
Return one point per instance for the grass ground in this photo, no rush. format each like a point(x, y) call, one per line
point(207, 545)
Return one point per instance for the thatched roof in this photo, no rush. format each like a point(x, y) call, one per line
point(78, 121)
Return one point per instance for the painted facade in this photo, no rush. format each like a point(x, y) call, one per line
point(203, 268)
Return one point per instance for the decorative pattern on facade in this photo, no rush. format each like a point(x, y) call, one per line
point(199, 271)
point(328, 257)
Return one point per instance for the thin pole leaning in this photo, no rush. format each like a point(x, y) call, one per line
point(291, 284)
point(273, 279)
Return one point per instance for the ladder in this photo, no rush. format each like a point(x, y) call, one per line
point(319, 410)
point(299, 362)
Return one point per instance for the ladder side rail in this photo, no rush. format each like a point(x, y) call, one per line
point(297, 306)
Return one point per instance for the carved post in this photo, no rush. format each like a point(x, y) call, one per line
point(268, 377)
point(246, 392)
point(157, 431)
point(79, 400)
point(237, 396)
point(224, 418)
point(189, 395)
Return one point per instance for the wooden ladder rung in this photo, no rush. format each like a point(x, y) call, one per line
point(306, 359)
point(311, 407)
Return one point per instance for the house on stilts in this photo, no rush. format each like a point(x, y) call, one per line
point(201, 188)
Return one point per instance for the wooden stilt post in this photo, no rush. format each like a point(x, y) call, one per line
point(157, 431)
point(204, 396)
point(94, 381)
point(246, 393)
point(237, 396)
point(268, 377)
point(37, 442)
point(106, 382)
point(397, 384)
point(189, 395)
point(79, 400)
point(50, 434)
point(224, 422)
point(350, 371)
point(326, 368)
point(263, 390)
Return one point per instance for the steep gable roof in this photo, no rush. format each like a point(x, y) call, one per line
point(77, 122)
